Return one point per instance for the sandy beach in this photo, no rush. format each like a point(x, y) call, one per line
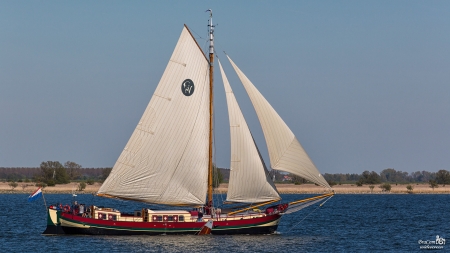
point(353, 189)
point(282, 188)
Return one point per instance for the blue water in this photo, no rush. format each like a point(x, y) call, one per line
point(346, 223)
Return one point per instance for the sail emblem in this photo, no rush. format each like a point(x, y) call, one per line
point(187, 87)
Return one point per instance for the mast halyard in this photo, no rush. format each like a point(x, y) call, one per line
point(211, 108)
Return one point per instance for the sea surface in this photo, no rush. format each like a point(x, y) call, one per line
point(345, 223)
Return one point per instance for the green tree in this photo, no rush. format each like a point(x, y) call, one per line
point(47, 171)
point(51, 182)
point(331, 183)
point(61, 176)
point(386, 187)
point(81, 186)
point(13, 185)
point(443, 177)
point(433, 184)
point(369, 178)
point(73, 170)
point(409, 188)
point(105, 173)
point(90, 181)
point(217, 177)
point(297, 180)
point(393, 176)
point(53, 170)
point(422, 176)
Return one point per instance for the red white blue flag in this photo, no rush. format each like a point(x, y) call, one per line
point(35, 195)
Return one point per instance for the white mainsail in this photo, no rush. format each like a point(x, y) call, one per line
point(249, 180)
point(166, 159)
point(285, 151)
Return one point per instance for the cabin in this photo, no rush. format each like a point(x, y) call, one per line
point(148, 215)
point(144, 215)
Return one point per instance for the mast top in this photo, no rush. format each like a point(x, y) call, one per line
point(211, 33)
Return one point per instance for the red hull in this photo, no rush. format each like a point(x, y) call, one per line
point(73, 224)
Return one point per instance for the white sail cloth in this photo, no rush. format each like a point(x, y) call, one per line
point(249, 180)
point(285, 151)
point(166, 158)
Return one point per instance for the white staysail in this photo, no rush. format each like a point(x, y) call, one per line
point(249, 180)
point(166, 159)
point(285, 151)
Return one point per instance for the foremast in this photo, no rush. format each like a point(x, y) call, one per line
point(211, 108)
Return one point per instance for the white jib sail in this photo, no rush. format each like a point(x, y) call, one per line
point(166, 159)
point(285, 151)
point(249, 180)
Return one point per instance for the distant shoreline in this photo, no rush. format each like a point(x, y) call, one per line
point(282, 189)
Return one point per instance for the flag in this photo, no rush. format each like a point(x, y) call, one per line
point(35, 195)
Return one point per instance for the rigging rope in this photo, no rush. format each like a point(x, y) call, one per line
point(200, 37)
point(293, 226)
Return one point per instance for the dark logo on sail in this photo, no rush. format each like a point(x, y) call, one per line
point(187, 87)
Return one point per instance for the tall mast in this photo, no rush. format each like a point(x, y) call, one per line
point(211, 108)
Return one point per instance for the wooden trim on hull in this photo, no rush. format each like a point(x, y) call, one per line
point(78, 225)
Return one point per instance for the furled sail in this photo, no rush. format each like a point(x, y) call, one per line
point(166, 158)
point(285, 151)
point(249, 180)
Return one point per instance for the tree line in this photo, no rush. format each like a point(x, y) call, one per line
point(385, 176)
point(53, 172)
point(390, 176)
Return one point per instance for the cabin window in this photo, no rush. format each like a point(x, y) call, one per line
point(102, 216)
point(156, 218)
point(170, 218)
point(112, 217)
point(180, 218)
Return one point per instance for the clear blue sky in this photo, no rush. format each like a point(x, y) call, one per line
point(365, 85)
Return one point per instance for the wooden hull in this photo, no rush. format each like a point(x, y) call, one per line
point(72, 224)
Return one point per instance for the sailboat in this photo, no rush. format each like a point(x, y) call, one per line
point(168, 161)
